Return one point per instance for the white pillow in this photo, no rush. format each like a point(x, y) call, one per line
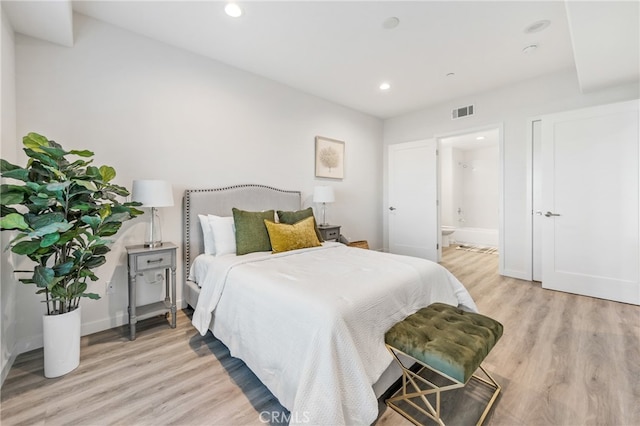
point(207, 235)
point(224, 234)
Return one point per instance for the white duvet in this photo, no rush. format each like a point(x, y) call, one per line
point(310, 323)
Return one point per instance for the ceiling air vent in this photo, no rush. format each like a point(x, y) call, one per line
point(462, 112)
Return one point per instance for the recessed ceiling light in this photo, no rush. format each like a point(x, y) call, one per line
point(451, 74)
point(530, 49)
point(233, 10)
point(391, 23)
point(385, 86)
point(480, 138)
point(537, 26)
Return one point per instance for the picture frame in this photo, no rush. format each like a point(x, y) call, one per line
point(329, 158)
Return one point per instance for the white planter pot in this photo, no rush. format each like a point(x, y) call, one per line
point(61, 343)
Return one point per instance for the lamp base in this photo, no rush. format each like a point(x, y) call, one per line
point(153, 245)
point(153, 237)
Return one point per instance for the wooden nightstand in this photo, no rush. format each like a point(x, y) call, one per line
point(329, 232)
point(141, 259)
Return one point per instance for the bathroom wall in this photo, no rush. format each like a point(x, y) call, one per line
point(470, 193)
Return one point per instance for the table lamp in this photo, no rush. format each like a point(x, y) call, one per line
point(154, 194)
point(324, 195)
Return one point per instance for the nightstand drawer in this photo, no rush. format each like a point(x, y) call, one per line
point(153, 261)
point(332, 233)
point(329, 232)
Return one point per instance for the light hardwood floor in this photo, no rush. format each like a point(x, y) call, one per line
point(563, 360)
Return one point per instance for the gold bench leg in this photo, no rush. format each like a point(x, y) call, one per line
point(415, 380)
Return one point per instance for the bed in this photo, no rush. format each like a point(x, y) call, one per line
point(310, 322)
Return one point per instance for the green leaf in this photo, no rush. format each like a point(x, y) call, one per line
point(35, 141)
point(43, 157)
point(46, 219)
point(13, 221)
point(77, 288)
point(6, 166)
point(26, 247)
point(107, 173)
point(119, 190)
point(41, 202)
point(55, 227)
point(58, 292)
point(6, 210)
point(58, 186)
point(95, 261)
point(11, 198)
point(55, 171)
point(49, 240)
point(91, 296)
point(105, 211)
point(68, 236)
point(94, 172)
point(43, 276)
point(118, 217)
point(92, 221)
point(54, 152)
point(100, 249)
point(84, 153)
point(64, 268)
point(19, 174)
point(108, 229)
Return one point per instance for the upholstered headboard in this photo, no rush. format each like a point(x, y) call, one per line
point(220, 201)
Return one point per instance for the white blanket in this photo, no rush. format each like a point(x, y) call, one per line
point(310, 323)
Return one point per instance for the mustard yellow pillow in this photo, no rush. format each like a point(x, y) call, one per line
point(285, 237)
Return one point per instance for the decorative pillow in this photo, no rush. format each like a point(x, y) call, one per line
point(285, 237)
point(251, 232)
point(207, 235)
point(297, 216)
point(224, 236)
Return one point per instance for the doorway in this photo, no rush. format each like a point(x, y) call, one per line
point(469, 176)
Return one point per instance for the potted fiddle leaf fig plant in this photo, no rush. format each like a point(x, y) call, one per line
point(62, 212)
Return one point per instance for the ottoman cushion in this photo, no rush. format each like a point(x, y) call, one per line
point(448, 339)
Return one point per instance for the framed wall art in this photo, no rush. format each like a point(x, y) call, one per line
point(329, 158)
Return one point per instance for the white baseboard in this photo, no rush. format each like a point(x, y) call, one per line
point(7, 367)
point(36, 342)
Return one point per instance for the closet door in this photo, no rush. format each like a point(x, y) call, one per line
point(413, 199)
point(590, 202)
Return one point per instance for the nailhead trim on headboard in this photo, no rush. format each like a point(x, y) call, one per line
point(188, 214)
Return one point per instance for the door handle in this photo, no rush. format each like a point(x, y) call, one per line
point(549, 214)
point(392, 208)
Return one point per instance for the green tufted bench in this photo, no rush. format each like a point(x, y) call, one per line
point(448, 341)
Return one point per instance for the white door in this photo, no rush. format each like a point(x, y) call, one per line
point(413, 206)
point(590, 199)
point(537, 218)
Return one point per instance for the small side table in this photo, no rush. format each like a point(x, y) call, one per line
point(141, 259)
point(329, 232)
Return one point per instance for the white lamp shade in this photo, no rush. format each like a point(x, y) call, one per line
point(323, 194)
point(152, 193)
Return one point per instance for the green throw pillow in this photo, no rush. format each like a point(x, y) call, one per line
point(293, 217)
point(251, 232)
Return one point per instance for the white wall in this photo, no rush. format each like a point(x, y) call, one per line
point(469, 181)
point(153, 111)
point(512, 106)
point(480, 184)
point(8, 283)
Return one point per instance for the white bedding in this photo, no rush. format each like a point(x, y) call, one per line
point(310, 323)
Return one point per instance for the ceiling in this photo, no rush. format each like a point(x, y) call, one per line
point(342, 51)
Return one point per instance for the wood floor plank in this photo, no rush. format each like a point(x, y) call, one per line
point(563, 360)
